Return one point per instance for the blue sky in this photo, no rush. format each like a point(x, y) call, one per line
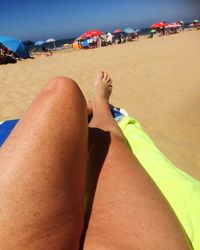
point(61, 19)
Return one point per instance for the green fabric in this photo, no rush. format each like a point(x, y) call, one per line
point(180, 189)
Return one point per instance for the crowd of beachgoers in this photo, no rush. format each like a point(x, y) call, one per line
point(95, 39)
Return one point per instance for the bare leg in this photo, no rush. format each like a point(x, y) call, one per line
point(43, 171)
point(128, 211)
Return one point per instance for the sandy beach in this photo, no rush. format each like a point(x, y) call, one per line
point(156, 80)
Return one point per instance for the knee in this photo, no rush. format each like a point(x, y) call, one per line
point(63, 84)
point(64, 91)
point(66, 87)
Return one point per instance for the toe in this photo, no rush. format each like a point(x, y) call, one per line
point(105, 76)
point(109, 79)
point(100, 75)
point(110, 83)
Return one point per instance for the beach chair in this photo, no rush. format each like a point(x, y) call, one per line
point(85, 44)
point(5, 129)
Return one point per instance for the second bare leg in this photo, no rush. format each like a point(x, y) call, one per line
point(128, 211)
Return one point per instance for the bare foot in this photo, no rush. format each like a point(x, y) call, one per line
point(102, 87)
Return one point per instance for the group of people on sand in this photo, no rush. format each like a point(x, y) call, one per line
point(94, 42)
point(167, 30)
point(121, 37)
point(7, 56)
point(44, 52)
point(106, 39)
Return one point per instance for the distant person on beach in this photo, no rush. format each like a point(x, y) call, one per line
point(53, 155)
point(2, 55)
point(91, 42)
point(7, 56)
point(11, 56)
point(121, 38)
point(95, 41)
point(150, 35)
point(109, 38)
point(99, 41)
point(182, 25)
point(103, 40)
point(132, 36)
point(47, 51)
point(163, 31)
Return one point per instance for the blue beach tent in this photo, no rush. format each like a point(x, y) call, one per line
point(15, 46)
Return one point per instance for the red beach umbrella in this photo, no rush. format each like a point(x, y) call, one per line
point(91, 33)
point(158, 25)
point(117, 31)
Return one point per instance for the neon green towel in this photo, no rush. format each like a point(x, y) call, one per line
point(180, 189)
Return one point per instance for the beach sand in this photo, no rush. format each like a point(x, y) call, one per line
point(156, 80)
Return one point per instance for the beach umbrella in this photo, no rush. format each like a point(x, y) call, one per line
point(39, 43)
point(117, 31)
point(195, 21)
point(50, 40)
point(15, 46)
point(91, 33)
point(173, 26)
point(158, 25)
point(129, 30)
point(153, 31)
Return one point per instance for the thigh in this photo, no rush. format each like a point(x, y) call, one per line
point(42, 173)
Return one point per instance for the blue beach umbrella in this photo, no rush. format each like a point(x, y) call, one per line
point(129, 30)
point(15, 46)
